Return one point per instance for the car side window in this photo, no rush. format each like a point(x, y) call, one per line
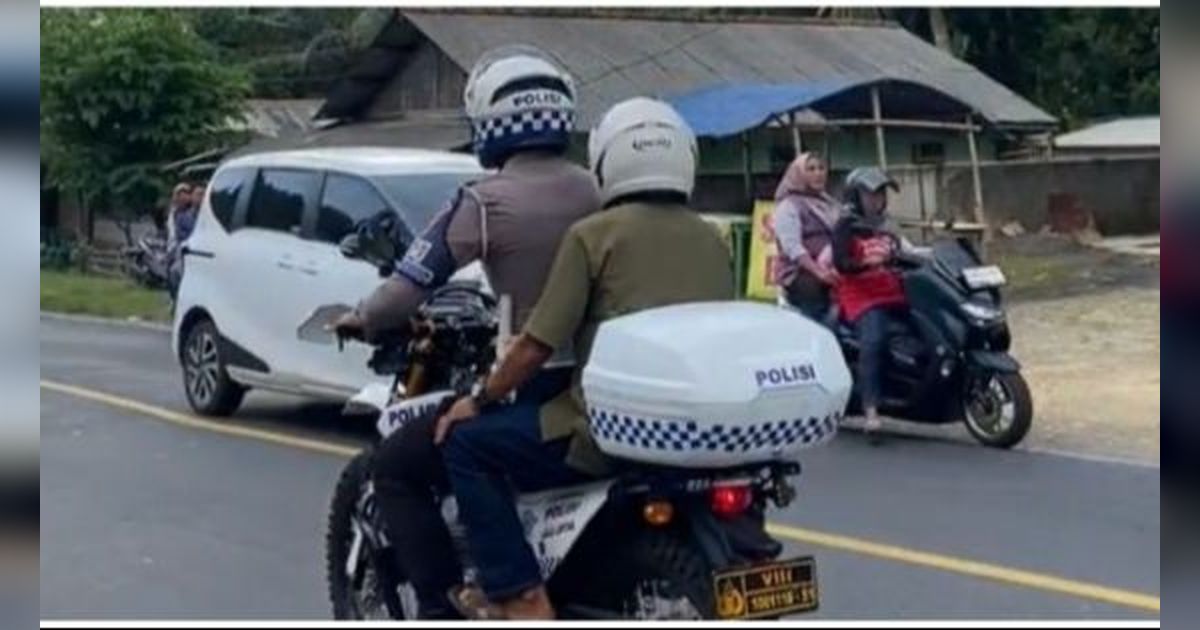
point(223, 194)
point(278, 200)
point(346, 201)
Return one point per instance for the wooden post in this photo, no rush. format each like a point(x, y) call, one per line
point(877, 111)
point(977, 182)
point(747, 177)
point(924, 212)
point(797, 141)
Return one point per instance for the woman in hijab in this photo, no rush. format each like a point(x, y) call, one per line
point(804, 217)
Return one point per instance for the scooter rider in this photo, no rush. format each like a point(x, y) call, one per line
point(646, 249)
point(521, 105)
point(869, 291)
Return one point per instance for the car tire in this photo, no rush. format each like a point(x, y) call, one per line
point(206, 382)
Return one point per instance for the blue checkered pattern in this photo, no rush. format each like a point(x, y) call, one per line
point(683, 435)
point(530, 122)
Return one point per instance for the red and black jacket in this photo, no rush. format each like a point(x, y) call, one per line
point(863, 287)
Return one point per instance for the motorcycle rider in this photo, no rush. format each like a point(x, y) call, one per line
point(521, 105)
point(869, 291)
point(646, 249)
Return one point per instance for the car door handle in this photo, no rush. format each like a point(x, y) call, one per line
point(199, 253)
point(284, 264)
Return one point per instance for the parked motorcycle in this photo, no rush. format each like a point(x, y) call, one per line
point(949, 361)
point(678, 533)
point(148, 262)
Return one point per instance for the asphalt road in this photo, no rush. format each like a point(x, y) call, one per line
point(146, 519)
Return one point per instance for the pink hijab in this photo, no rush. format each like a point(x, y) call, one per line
point(793, 177)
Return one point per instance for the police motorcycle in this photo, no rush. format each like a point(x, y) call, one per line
point(704, 406)
point(950, 361)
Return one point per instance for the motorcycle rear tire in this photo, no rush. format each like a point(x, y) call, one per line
point(669, 557)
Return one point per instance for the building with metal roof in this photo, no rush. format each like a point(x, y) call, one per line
point(755, 90)
point(1132, 135)
point(614, 59)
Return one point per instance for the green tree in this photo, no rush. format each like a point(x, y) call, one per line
point(123, 92)
point(289, 53)
point(1078, 64)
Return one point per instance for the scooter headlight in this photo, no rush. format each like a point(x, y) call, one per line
point(982, 312)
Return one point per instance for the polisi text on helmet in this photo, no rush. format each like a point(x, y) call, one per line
point(543, 97)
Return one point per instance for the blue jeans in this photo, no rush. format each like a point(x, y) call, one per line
point(872, 330)
point(410, 481)
point(487, 457)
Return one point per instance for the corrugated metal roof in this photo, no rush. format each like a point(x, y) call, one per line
point(1138, 132)
point(279, 117)
point(614, 59)
point(436, 131)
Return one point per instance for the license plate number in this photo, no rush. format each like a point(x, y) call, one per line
point(771, 589)
point(984, 277)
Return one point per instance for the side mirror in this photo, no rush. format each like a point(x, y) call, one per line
point(351, 246)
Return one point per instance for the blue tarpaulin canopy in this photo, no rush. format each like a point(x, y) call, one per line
point(727, 109)
point(724, 110)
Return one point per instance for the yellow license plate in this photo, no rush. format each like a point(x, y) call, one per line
point(772, 589)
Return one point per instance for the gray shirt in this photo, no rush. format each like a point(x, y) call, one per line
point(512, 221)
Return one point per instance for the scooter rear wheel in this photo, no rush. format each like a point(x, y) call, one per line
point(999, 410)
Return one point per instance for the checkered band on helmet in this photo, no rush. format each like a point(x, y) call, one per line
point(652, 434)
point(534, 128)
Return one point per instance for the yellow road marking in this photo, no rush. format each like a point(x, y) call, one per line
point(1029, 579)
point(951, 564)
point(194, 422)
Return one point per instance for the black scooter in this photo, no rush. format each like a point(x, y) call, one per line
point(949, 361)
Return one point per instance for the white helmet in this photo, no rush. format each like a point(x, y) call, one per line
point(641, 145)
point(518, 98)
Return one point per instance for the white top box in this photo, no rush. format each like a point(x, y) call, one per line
point(714, 385)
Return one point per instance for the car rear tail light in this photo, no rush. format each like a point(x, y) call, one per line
point(730, 501)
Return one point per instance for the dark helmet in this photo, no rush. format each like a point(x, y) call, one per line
point(865, 179)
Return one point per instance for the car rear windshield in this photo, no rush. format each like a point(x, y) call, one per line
point(421, 196)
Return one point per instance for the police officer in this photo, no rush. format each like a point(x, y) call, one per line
point(521, 105)
point(648, 248)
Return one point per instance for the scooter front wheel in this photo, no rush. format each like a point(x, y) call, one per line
point(998, 409)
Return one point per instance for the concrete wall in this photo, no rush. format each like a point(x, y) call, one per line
point(1121, 193)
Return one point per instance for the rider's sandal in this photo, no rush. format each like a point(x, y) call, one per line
point(872, 429)
point(471, 602)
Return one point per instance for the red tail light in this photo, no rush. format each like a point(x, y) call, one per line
point(730, 501)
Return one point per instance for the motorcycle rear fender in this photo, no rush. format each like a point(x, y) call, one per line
point(993, 361)
point(555, 519)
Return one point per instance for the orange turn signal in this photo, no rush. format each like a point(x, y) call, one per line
point(658, 513)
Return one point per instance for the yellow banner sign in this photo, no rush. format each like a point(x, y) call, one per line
point(760, 285)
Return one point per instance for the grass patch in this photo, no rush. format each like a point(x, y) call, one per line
point(77, 293)
point(1029, 273)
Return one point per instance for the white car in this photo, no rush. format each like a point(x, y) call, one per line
point(264, 255)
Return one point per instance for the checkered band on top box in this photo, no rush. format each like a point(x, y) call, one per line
point(526, 122)
point(686, 435)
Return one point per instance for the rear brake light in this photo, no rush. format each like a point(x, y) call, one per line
point(730, 501)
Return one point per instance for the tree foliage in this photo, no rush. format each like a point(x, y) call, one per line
point(1078, 64)
point(289, 53)
point(123, 92)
